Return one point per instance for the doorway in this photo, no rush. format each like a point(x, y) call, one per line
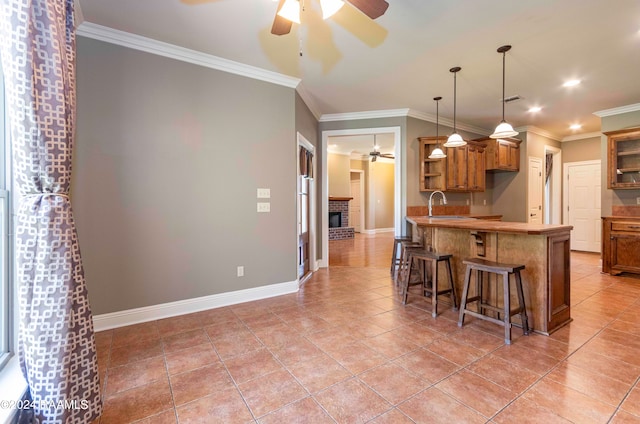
point(400, 202)
point(582, 198)
point(356, 206)
point(306, 207)
point(534, 197)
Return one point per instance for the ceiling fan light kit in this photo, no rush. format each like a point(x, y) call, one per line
point(290, 10)
point(455, 139)
point(437, 153)
point(504, 129)
point(330, 7)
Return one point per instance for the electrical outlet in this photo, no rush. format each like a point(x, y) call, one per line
point(264, 193)
point(240, 271)
point(484, 202)
point(468, 202)
point(264, 207)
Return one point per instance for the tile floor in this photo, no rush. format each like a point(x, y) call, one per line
point(345, 350)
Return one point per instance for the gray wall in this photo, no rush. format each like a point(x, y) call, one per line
point(581, 150)
point(616, 197)
point(168, 159)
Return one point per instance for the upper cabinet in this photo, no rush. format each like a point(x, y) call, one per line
point(432, 171)
point(623, 165)
point(462, 170)
point(502, 154)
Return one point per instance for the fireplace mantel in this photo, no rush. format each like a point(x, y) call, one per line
point(339, 199)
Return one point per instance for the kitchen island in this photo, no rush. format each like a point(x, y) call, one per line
point(543, 249)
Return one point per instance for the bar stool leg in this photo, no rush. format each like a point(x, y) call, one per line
point(507, 308)
point(407, 278)
point(523, 313)
point(453, 287)
point(465, 292)
point(394, 256)
point(434, 288)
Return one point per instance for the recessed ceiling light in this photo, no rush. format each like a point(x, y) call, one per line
point(571, 83)
point(535, 109)
point(575, 126)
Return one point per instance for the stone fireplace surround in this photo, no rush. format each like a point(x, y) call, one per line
point(341, 204)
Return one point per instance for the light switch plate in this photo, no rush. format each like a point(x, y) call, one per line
point(264, 193)
point(264, 207)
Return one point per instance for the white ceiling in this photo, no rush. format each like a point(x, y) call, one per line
point(401, 60)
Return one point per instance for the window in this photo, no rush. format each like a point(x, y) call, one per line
point(7, 299)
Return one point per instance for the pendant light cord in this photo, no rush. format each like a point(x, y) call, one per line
point(455, 96)
point(504, 54)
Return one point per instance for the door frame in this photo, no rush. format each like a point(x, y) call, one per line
point(303, 142)
point(361, 172)
point(556, 186)
point(399, 183)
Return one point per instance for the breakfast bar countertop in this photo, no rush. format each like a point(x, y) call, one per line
point(488, 225)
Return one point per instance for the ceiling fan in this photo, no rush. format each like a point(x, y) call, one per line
point(291, 11)
point(375, 153)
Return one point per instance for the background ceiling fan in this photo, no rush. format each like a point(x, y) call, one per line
point(281, 25)
point(375, 153)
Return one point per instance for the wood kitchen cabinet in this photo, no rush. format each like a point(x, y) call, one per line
point(621, 245)
point(432, 171)
point(623, 164)
point(462, 170)
point(502, 154)
point(466, 167)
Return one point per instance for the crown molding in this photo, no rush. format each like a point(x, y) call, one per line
point(370, 114)
point(394, 113)
point(618, 110)
point(447, 122)
point(137, 42)
point(581, 136)
point(539, 131)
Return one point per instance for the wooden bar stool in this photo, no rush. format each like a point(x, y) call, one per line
point(403, 262)
point(506, 270)
point(422, 257)
point(395, 258)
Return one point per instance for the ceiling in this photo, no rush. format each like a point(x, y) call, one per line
point(401, 60)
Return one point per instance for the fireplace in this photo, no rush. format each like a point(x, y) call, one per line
point(335, 219)
point(339, 219)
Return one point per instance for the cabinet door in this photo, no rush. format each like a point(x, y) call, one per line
point(457, 168)
point(476, 169)
point(624, 253)
point(624, 159)
point(504, 155)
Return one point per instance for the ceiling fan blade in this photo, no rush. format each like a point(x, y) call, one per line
point(374, 158)
point(372, 8)
point(281, 26)
point(387, 155)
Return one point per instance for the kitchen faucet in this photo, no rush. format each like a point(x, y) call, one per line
point(444, 199)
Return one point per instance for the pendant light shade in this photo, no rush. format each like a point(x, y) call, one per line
point(330, 7)
point(437, 153)
point(455, 139)
point(291, 10)
point(504, 129)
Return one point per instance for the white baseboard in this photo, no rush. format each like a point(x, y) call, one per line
point(378, 231)
point(181, 307)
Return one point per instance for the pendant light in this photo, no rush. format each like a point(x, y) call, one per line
point(330, 7)
point(291, 11)
point(437, 152)
point(504, 129)
point(455, 139)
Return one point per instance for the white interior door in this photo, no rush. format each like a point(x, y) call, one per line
point(355, 205)
point(534, 197)
point(583, 209)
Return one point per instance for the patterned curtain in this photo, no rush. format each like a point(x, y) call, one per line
point(56, 341)
point(306, 163)
point(548, 166)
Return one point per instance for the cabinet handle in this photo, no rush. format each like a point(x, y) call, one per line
point(635, 227)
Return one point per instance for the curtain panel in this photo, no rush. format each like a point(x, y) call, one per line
point(56, 340)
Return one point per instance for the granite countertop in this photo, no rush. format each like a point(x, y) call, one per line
point(489, 226)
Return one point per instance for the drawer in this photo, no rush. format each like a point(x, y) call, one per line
point(626, 226)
